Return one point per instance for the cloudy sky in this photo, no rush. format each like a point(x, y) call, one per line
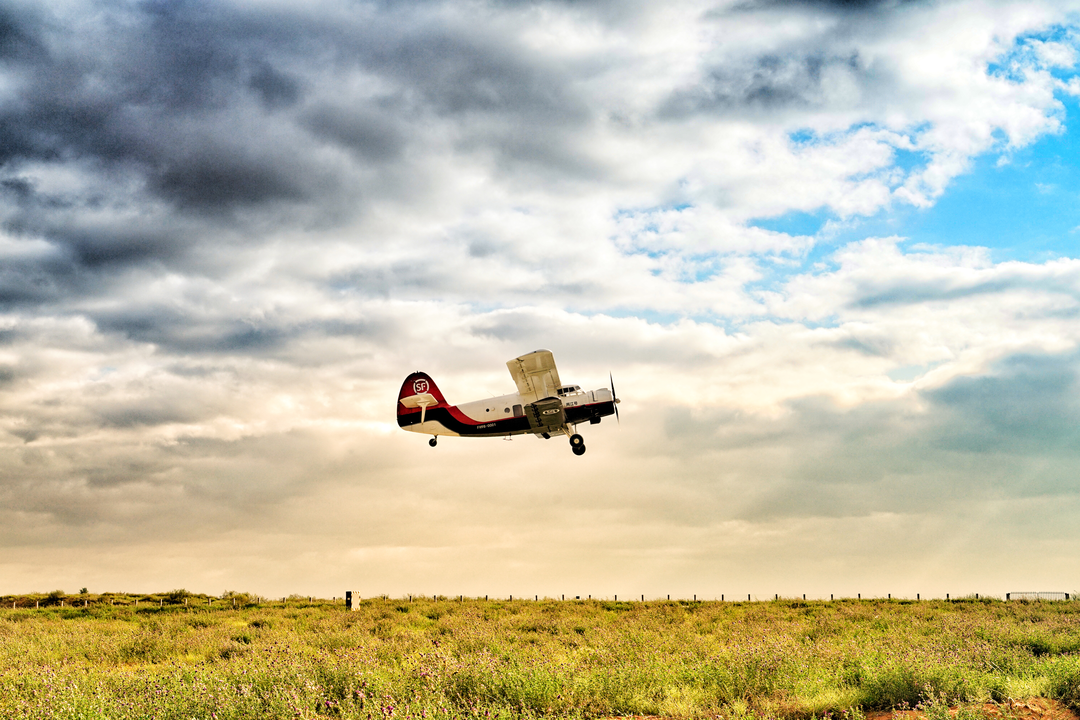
point(828, 250)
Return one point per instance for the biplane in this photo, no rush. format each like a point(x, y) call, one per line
point(542, 406)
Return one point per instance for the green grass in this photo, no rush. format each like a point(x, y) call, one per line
point(521, 659)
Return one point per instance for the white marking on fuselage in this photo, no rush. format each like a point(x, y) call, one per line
point(496, 408)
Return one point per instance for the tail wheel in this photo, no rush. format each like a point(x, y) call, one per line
point(577, 441)
point(433, 442)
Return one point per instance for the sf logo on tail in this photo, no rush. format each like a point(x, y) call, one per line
point(542, 406)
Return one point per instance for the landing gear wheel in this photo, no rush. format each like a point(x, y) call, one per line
point(577, 441)
point(433, 442)
point(579, 449)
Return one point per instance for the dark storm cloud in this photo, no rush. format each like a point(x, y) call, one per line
point(518, 327)
point(839, 6)
point(194, 484)
point(18, 35)
point(186, 122)
point(866, 342)
point(158, 409)
point(774, 82)
point(216, 178)
point(159, 79)
point(1012, 433)
point(138, 98)
point(372, 135)
point(1031, 405)
point(478, 74)
point(96, 247)
point(790, 76)
point(276, 89)
point(30, 283)
point(191, 331)
point(501, 99)
point(77, 258)
point(918, 291)
point(210, 330)
point(139, 89)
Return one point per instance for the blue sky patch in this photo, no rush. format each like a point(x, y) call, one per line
point(794, 223)
point(1026, 209)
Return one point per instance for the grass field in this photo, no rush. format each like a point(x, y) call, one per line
point(484, 659)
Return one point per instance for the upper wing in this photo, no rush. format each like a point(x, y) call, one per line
point(535, 375)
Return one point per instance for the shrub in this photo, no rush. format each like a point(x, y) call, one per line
point(175, 597)
point(54, 598)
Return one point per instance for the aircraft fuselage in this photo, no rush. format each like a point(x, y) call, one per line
point(506, 414)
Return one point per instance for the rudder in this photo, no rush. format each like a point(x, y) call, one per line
point(418, 394)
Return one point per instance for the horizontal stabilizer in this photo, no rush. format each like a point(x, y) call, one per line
point(421, 400)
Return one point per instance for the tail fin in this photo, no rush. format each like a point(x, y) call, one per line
point(418, 393)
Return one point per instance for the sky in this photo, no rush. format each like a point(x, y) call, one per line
point(826, 249)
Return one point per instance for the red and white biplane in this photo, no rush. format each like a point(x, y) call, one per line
point(542, 406)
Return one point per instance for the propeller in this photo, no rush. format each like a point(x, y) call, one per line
point(614, 398)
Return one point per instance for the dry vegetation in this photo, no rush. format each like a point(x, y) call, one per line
point(480, 659)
